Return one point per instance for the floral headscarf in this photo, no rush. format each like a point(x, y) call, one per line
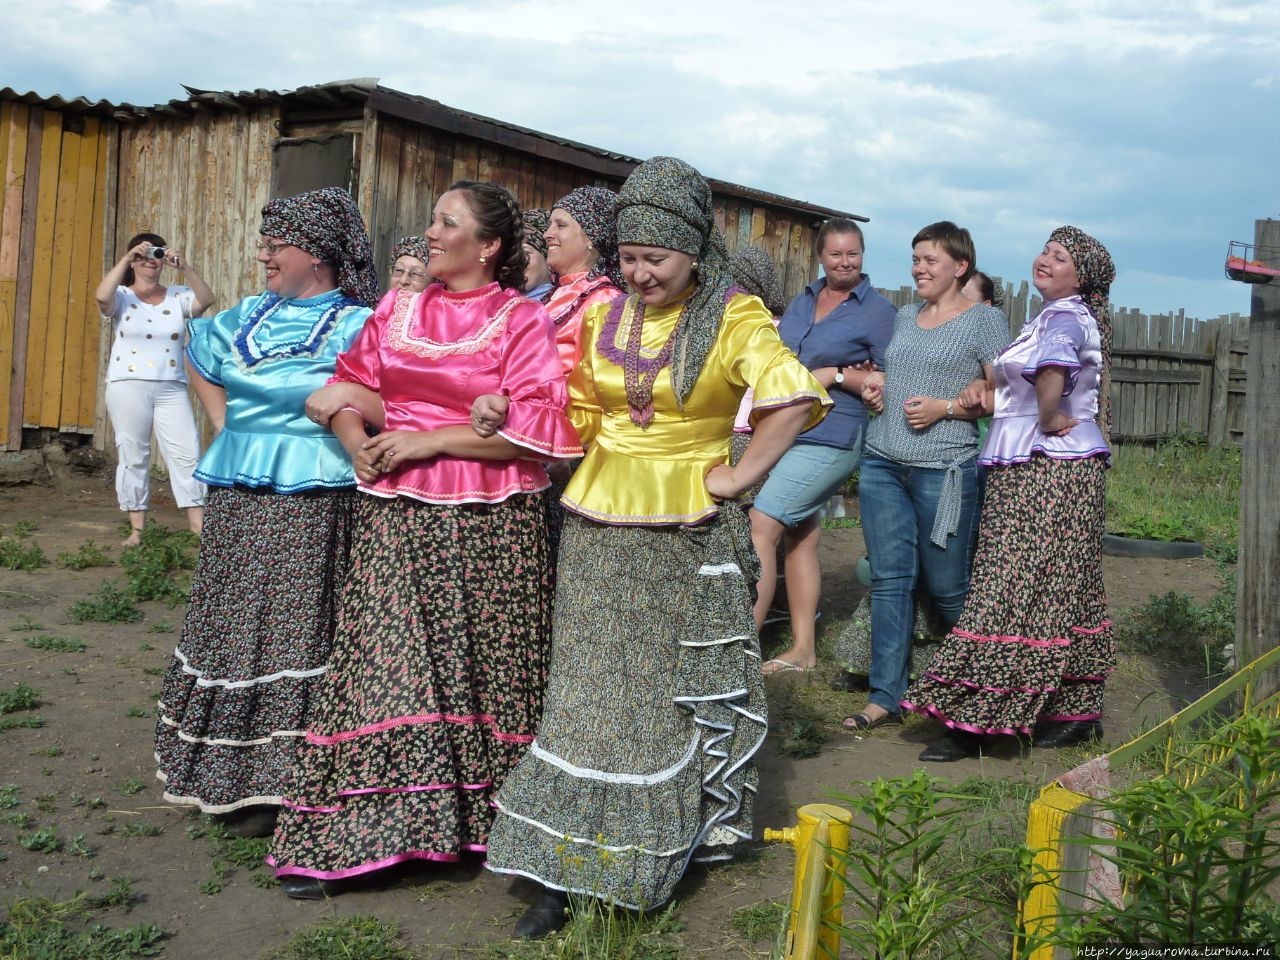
point(596, 211)
point(536, 222)
point(416, 247)
point(755, 271)
point(1096, 270)
point(327, 224)
point(667, 203)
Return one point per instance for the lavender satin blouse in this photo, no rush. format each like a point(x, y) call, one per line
point(1064, 334)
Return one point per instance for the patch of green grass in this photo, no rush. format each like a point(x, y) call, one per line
point(160, 626)
point(19, 820)
point(37, 928)
point(760, 921)
point(1199, 494)
point(46, 803)
point(111, 605)
point(9, 796)
point(55, 644)
point(229, 853)
point(154, 671)
point(41, 841)
point(48, 752)
point(25, 528)
point(26, 625)
point(160, 567)
point(139, 829)
point(18, 698)
point(138, 712)
point(131, 787)
point(1181, 630)
point(83, 557)
point(840, 523)
point(348, 938)
point(18, 723)
point(16, 555)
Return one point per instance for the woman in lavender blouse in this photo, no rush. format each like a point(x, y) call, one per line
point(1033, 647)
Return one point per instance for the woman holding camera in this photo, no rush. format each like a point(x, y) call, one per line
point(146, 378)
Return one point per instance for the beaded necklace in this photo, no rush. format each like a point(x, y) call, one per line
point(639, 373)
point(250, 353)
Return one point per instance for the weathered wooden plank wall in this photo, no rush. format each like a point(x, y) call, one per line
point(54, 175)
point(1170, 373)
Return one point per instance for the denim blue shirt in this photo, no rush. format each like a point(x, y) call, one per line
point(858, 329)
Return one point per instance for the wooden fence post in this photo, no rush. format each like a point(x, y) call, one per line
point(1258, 576)
point(1220, 381)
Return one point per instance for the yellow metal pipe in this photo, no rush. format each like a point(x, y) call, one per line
point(820, 839)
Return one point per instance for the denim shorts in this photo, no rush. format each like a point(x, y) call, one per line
point(804, 479)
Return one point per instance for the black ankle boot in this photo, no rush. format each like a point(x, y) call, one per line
point(250, 821)
point(1069, 734)
point(308, 888)
point(545, 916)
point(952, 746)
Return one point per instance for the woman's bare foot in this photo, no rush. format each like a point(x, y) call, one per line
point(133, 540)
point(787, 661)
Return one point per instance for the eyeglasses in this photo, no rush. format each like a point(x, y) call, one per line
point(271, 248)
point(399, 273)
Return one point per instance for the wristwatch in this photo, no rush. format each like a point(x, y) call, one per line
point(839, 378)
point(950, 408)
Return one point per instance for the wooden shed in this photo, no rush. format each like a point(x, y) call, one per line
point(199, 170)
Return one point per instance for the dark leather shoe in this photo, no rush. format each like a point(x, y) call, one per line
point(545, 916)
point(1069, 734)
point(851, 682)
point(308, 888)
point(952, 746)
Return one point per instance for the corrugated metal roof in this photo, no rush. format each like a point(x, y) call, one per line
point(363, 91)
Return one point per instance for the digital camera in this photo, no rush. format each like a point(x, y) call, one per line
point(157, 253)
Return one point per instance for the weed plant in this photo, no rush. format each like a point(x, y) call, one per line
point(1199, 493)
point(160, 567)
point(1199, 862)
point(908, 894)
point(41, 841)
point(55, 644)
point(87, 555)
point(349, 938)
point(111, 605)
point(18, 698)
point(37, 928)
point(16, 555)
point(1180, 630)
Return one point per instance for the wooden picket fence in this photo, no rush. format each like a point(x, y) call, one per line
point(1170, 373)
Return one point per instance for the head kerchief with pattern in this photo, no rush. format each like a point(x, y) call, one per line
point(755, 271)
point(596, 211)
point(416, 247)
point(327, 224)
point(1096, 270)
point(667, 203)
point(536, 222)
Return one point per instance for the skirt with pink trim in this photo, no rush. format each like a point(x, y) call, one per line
point(434, 687)
point(1034, 642)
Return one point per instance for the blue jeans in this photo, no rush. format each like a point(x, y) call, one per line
point(898, 504)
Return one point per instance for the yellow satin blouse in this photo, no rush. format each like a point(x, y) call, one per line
point(655, 475)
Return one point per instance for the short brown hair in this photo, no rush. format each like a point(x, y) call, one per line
point(955, 240)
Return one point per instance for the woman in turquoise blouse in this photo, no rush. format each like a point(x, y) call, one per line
point(259, 625)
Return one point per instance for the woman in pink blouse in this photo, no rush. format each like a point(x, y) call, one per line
point(435, 684)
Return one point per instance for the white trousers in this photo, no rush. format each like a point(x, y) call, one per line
point(136, 408)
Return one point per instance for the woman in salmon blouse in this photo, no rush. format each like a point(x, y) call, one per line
point(435, 685)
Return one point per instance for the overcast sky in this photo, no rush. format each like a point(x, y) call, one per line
point(1152, 124)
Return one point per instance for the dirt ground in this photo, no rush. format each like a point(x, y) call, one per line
point(76, 772)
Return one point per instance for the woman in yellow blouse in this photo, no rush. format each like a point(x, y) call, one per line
point(655, 702)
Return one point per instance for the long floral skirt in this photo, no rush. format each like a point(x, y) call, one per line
point(255, 643)
point(434, 687)
point(655, 707)
point(1034, 642)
